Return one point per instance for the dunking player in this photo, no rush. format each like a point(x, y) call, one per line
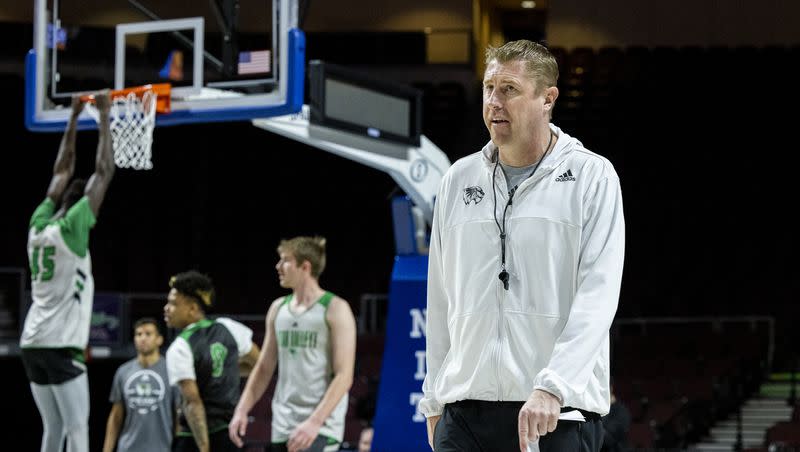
point(56, 329)
point(312, 334)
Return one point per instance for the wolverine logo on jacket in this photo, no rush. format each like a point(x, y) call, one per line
point(473, 194)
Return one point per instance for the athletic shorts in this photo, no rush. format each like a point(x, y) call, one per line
point(218, 441)
point(52, 366)
point(321, 444)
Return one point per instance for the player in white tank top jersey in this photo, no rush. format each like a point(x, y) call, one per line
point(305, 370)
point(311, 338)
point(56, 329)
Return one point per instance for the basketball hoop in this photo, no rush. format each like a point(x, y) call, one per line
point(132, 120)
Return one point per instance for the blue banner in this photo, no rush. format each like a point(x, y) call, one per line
point(399, 426)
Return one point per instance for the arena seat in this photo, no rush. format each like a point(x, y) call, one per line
point(786, 433)
point(641, 436)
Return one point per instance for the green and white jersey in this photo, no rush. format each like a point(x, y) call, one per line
point(305, 369)
point(208, 352)
point(62, 286)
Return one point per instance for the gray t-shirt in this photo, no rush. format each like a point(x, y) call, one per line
point(148, 401)
point(516, 175)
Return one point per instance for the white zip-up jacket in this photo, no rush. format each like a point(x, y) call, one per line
point(564, 254)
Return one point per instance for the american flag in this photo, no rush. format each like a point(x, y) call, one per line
point(254, 62)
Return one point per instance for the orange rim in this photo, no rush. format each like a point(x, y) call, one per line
point(161, 90)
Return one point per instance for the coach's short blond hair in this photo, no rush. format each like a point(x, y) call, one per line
point(540, 64)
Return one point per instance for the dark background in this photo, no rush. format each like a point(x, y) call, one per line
point(701, 138)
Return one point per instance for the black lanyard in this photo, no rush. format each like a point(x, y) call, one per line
point(503, 273)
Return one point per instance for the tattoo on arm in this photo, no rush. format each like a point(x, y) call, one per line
point(195, 414)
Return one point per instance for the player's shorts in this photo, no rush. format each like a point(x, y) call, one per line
point(321, 444)
point(52, 366)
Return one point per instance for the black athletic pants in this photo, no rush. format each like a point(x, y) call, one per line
point(219, 441)
point(479, 426)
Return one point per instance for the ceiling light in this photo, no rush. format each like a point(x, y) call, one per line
point(529, 4)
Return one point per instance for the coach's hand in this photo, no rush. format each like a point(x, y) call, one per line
point(432, 421)
point(237, 428)
point(303, 435)
point(537, 417)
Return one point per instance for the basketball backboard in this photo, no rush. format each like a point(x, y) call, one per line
point(226, 59)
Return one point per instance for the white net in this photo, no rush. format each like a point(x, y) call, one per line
point(133, 119)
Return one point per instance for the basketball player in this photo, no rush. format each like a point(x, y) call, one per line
point(56, 330)
point(311, 336)
point(205, 362)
